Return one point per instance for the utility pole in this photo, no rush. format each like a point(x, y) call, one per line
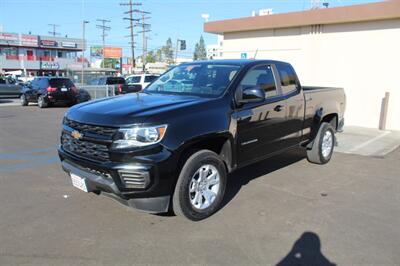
point(84, 22)
point(54, 26)
point(145, 28)
point(103, 28)
point(176, 51)
point(130, 4)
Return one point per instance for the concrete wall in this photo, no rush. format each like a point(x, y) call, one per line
point(363, 58)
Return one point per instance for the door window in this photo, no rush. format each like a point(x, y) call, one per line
point(263, 77)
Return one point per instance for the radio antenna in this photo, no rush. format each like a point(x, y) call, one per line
point(255, 55)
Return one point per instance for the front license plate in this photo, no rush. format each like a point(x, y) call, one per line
point(64, 89)
point(79, 182)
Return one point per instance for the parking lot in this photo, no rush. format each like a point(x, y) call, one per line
point(281, 211)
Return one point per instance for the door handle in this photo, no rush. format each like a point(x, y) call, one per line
point(278, 108)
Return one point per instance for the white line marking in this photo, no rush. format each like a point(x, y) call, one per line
point(364, 144)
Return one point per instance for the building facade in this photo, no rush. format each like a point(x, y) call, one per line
point(354, 47)
point(38, 55)
point(215, 51)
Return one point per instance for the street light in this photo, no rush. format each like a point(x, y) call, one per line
point(84, 22)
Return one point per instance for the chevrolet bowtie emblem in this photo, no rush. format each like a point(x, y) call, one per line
point(76, 134)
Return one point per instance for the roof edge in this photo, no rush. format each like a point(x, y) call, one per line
point(347, 14)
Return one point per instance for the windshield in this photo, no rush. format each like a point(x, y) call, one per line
point(208, 79)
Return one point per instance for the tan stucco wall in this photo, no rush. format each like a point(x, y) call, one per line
point(363, 58)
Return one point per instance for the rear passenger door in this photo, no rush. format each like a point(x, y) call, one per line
point(294, 101)
point(260, 125)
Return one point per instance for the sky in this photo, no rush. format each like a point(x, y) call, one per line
point(178, 19)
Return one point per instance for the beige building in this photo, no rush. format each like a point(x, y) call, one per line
point(354, 47)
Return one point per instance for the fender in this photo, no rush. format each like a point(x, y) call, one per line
point(220, 143)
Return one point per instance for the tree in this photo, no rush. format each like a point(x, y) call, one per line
point(158, 55)
point(109, 63)
point(168, 51)
point(200, 52)
point(150, 57)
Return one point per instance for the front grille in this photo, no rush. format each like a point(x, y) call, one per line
point(134, 179)
point(99, 130)
point(98, 152)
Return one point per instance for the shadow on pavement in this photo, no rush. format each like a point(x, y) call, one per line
point(306, 251)
point(243, 176)
point(6, 101)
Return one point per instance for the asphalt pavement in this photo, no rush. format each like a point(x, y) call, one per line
point(282, 211)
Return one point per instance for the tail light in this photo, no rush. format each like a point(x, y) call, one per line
point(74, 89)
point(51, 89)
point(119, 88)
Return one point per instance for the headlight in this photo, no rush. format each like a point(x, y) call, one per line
point(139, 136)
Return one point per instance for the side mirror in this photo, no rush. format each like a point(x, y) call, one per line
point(252, 95)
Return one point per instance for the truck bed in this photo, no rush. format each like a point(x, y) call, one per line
point(316, 88)
point(325, 100)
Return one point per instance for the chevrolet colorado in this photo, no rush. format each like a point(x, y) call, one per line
point(172, 146)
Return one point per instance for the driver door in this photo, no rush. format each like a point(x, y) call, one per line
point(260, 125)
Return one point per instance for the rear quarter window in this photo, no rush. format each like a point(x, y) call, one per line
point(288, 78)
point(114, 81)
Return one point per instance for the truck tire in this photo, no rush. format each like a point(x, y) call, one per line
point(23, 99)
point(322, 148)
point(42, 102)
point(200, 188)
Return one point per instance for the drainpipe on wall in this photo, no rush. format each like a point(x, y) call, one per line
point(384, 111)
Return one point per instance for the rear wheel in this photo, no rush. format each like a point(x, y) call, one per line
point(322, 148)
point(24, 101)
point(42, 102)
point(200, 187)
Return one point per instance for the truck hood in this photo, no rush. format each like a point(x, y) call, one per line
point(128, 109)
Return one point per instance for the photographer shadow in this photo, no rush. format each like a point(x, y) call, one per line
point(306, 251)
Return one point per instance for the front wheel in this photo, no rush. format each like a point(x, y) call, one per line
point(322, 148)
point(200, 187)
point(24, 101)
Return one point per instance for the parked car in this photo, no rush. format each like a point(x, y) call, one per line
point(118, 84)
point(142, 80)
point(47, 91)
point(174, 144)
point(9, 87)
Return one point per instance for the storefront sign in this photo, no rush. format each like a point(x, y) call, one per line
point(112, 52)
point(68, 44)
point(96, 51)
point(48, 43)
point(29, 40)
point(9, 38)
point(50, 65)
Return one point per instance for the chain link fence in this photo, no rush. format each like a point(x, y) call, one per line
point(93, 92)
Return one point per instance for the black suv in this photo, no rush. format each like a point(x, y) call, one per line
point(47, 91)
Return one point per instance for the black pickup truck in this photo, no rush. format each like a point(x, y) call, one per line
point(172, 146)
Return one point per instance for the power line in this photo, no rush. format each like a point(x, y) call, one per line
point(103, 28)
point(145, 28)
point(130, 4)
point(54, 26)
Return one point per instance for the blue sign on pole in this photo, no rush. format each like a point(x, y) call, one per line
point(243, 55)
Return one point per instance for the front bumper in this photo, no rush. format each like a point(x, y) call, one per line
point(105, 178)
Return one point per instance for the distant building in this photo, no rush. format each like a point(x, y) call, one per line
point(355, 47)
point(214, 51)
point(38, 55)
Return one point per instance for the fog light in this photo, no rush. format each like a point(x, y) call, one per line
point(134, 178)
